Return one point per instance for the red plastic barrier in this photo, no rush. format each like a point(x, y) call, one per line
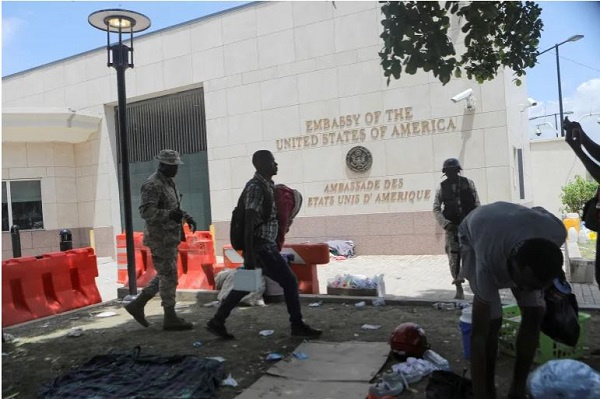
point(148, 267)
point(53, 283)
point(197, 257)
point(138, 239)
point(140, 266)
point(84, 270)
point(57, 283)
point(232, 258)
point(304, 264)
point(23, 295)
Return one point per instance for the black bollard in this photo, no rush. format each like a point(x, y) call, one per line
point(66, 240)
point(15, 235)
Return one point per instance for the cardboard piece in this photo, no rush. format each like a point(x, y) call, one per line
point(269, 387)
point(352, 361)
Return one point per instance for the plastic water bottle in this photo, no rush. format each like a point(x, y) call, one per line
point(380, 287)
point(436, 359)
point(583, 237)
point(572, 234)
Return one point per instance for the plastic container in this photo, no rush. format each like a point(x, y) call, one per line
point(572, 234)
point(465, 326)
point(582, 237)
point(547, 348)
point(436, 359)
point(247, 280)
point(572, 220)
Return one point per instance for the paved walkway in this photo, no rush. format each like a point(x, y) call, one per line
point(423, 277)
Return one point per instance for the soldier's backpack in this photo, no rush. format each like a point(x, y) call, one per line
point(238, 217)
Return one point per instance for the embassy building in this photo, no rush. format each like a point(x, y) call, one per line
point(301, 79)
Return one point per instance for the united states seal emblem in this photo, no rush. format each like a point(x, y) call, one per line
point(359, 159)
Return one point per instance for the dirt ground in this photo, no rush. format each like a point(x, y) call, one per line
point(42, 351)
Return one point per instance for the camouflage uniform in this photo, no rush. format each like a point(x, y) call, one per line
point(161, 234)
point(452, 245)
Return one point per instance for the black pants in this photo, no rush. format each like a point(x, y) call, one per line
point(276, 268)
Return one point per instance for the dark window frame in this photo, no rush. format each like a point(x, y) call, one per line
point(8, 212)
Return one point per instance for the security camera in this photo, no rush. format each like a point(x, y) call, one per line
point(531, 102)
point(538, 132)
point(463, 95)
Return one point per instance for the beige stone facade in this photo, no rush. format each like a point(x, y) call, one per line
point(303, 80)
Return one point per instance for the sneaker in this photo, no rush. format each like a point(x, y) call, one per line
point(306, 331)
point(218, 328)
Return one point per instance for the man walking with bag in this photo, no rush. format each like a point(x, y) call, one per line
point(161, 209)
point(260, 249)
point(454, 199)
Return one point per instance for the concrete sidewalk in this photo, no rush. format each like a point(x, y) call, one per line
point(424, 277)
point(408, 277)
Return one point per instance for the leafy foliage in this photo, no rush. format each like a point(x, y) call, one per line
point(576, 193)
point(498, 34)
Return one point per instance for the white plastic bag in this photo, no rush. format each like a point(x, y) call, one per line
point(564, 379)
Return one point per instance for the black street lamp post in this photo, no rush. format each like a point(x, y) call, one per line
point(573, 38)
point(122, 21)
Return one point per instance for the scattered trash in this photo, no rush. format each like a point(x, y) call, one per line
point(436, 359)
point(197, 344)
point(211, 304)
point(564, 378)
point(356, 335)
point(353, 281)
point(181, 305)
point(449, 305)
point(266, 333)
point(315, 304)
point(14, 395)
point(378, 302)
point(4, 354)
point(6, 337)
point(74, 318)
point(360, 304)
point(300, 355)
point(274, 356)
point(106, 314)
point(229, 381)
point(413, 369)
point(370, 327)
point(75, 332)
point(217, 358)
point(45, 325)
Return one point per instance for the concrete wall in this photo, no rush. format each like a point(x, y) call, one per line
point(554, 165)
point(274, 74)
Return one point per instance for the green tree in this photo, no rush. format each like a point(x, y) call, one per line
point(498, 34)
point(576, 193)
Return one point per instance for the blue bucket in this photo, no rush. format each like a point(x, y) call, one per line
point(465, 328)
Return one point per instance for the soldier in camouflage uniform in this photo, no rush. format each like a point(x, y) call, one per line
point(161, 209)
point(454, 199)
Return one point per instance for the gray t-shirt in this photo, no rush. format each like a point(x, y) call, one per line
point(489, 234)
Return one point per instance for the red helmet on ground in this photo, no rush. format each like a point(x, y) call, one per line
point(408, 340)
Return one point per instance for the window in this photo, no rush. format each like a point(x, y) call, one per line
point(22, 204)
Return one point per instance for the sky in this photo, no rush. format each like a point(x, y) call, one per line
point(36, 33)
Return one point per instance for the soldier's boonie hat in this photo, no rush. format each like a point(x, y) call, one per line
point(169, 157)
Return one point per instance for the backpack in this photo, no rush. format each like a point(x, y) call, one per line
point(238, 217)
point(448, 385)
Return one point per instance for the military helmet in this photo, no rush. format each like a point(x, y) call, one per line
point(451, 163)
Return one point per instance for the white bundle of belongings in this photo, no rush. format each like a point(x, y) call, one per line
point(224, 282)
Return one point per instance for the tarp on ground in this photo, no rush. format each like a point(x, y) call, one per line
point(134, 376)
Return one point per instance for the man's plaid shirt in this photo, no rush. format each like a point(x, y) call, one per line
point(255, 196)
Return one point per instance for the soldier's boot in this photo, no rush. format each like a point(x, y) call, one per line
point(136, 308)
point(172, 322)
point(460, 294)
